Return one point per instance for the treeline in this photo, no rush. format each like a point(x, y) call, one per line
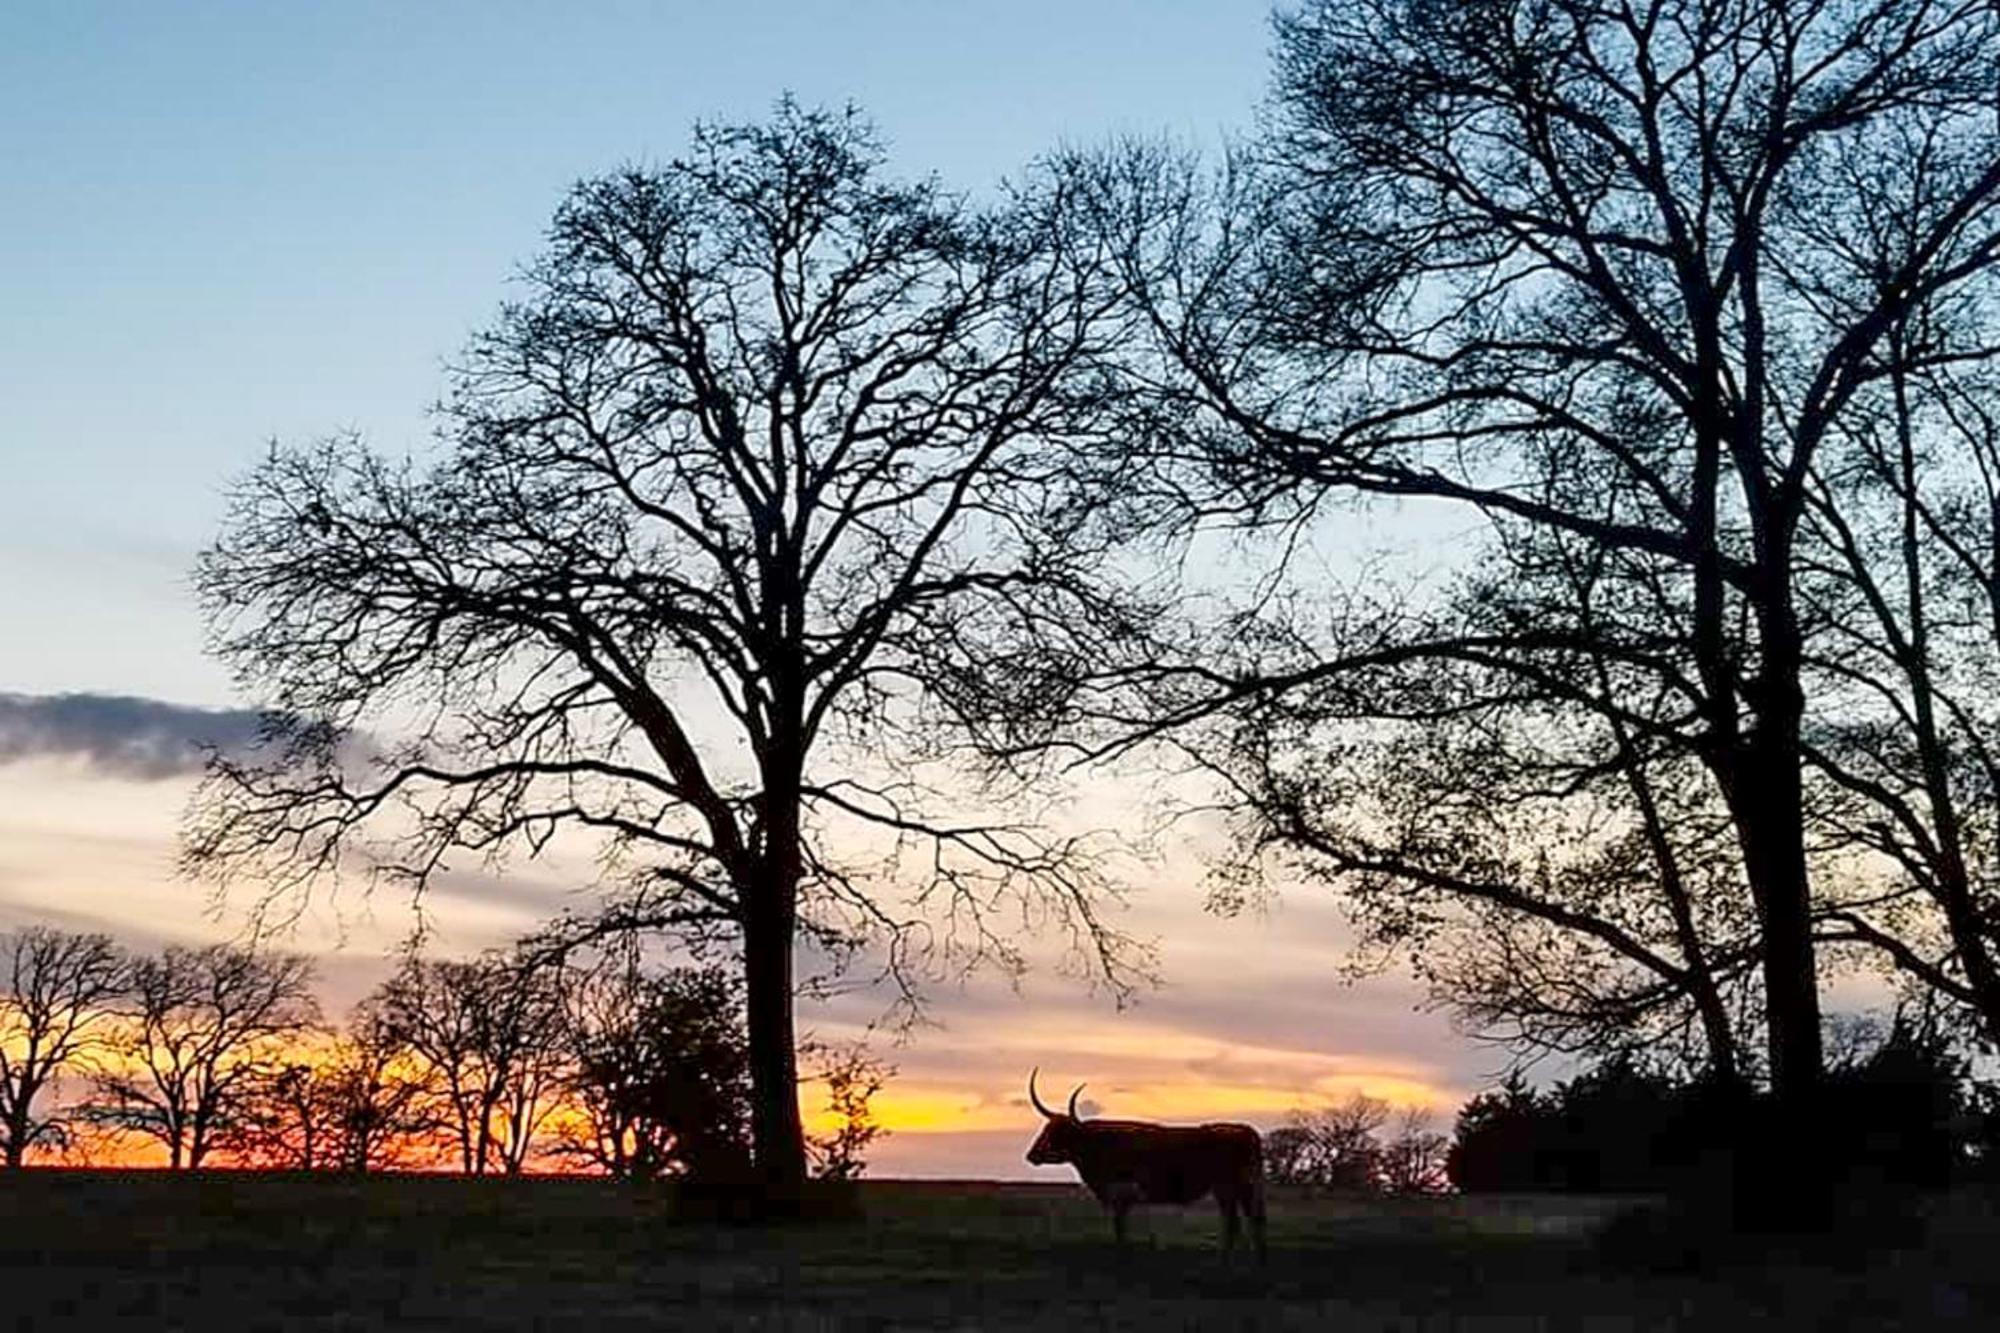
point(219, 1055)
point(1901, 1103)
point(1358, 1146)
point(1901, 1108)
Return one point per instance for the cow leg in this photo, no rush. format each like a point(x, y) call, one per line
point(1119, 1198)
point(1121, 1212)
point(1253, 1204)
point(1231, 1223)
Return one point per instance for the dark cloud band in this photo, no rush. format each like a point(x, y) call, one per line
point(120, 736)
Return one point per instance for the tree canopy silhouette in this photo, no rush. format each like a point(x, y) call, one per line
point(57, 987)
point(757, 494)
point(202, 1033)
point(1613, 280)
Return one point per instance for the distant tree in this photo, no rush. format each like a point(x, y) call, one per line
point(487, 1036)
point(357, 1103)
point(659, 1072)
point(1614, 1129)
point(1412, 1159)
point(1982, 1137)
point(285, 1121)
point(1335, 1147)
point(852, 1077)
point(383, 1106)
point(58, 988)
point(1287, 1150)
point(1620, 1126)
point(1900, 1107)
point(201, 1031)
point(750, 502)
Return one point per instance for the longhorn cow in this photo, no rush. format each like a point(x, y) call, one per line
point(1129, 1162)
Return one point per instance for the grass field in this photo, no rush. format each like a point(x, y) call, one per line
point(226, 1252)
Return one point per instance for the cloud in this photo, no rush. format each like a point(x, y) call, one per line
point(118, 735)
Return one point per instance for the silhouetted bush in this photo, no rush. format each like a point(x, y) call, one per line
point(1503, 1141)
point(660, 1071)
point(1895, 1115)
point(1900, 1114)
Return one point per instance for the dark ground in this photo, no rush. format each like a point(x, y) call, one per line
point(225, 1252)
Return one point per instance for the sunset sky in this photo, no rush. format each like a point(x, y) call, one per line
point(243, 223)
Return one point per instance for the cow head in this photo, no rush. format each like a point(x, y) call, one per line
point(1056, 1142)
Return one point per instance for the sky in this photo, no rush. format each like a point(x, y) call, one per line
point(227, 224)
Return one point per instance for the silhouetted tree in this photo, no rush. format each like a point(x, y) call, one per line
point(1287, 1150)
point(1335, 1147)
point(201, 1031)
point(1412, 1159)
point(1892, 1114)
point(357, 1102)
point(1898, 1107)
point(1498, 1140)
point(58, 988)
point(747, 503)
point(1907, 744)
point(1558, 882)
point(1611, 1128)
point(487, 1034)
point(660, 1072)
point(284, 1122)
point(1614, 1126)
point(852, 1078)
point(1594, 275)
point(383, 1110)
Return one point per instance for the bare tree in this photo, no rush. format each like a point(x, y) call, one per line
point(353, 1103)
point(1907, 745)
point(1334, 1147)
point(284, 1121)
point(1559, 882)
point(58, 987)
point(383, 1110)
point(746, 503)
point(1413, 1159)
point(488, 1033)
point(202, 1030)
point(1584, 272)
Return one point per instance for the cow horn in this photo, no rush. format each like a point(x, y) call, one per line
point(1037, 1100)
point(1072, 1101)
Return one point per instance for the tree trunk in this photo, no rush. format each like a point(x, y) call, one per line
point(17, 1135)
point(770, 920)
point(1774, 857)
point(776, 1133)
point(1784, 1180)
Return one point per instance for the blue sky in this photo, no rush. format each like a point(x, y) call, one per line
point(231, 222)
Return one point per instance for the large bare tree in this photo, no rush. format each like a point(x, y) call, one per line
point(1585, 273)
point(1559, 883)
point(755, 490)
point(59, 988)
